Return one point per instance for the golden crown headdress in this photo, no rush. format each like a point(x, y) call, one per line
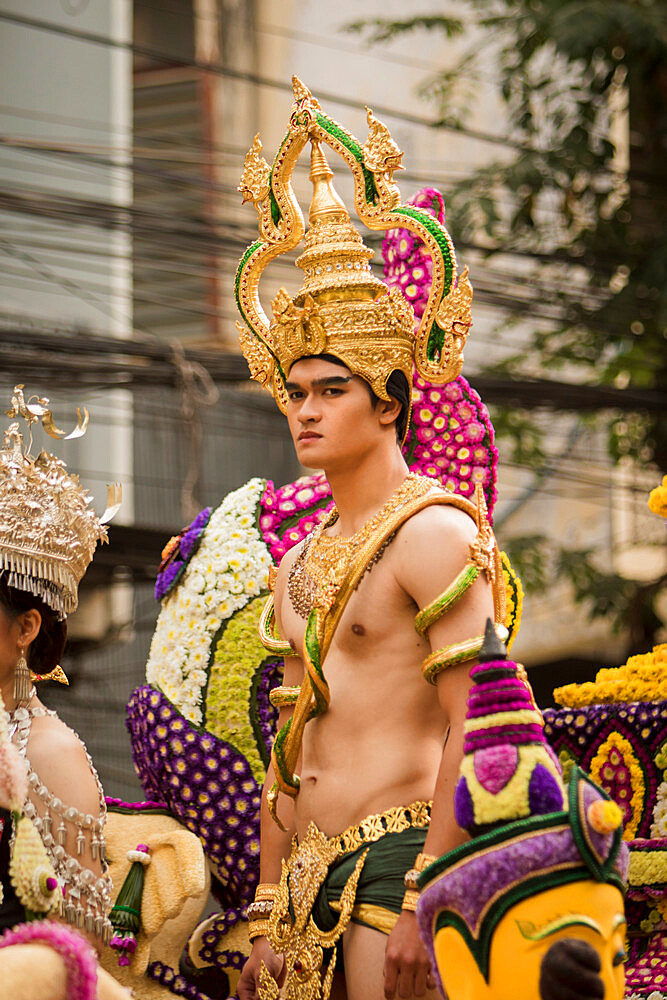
point(342, 309)
point(48, 533)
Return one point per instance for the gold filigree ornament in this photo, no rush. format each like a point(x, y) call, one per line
point(47, 532)
point(292, 931)
point(342, 308)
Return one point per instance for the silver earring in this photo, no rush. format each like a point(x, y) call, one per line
point(21, 678)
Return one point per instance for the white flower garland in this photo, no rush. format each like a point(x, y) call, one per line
point(229, 568)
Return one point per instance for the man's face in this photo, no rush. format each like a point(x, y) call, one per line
point(330, 415)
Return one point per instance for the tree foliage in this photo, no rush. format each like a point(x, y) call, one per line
point(581, 183)
point(579, 191)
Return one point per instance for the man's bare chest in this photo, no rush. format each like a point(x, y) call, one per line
point(376, 607)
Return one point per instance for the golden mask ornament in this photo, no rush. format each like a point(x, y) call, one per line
point(342, 308)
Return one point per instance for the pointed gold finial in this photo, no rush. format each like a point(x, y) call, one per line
point(326, 204)
point(303, 95)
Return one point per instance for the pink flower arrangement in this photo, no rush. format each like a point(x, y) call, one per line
point(77, 955)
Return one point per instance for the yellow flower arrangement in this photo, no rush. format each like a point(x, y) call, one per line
point(642, 678)
point(238, 656)
point(657, 499)
point(513, 599)
point(648, 868)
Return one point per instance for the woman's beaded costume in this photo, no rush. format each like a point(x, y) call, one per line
point(86, 896)
point(47, 538)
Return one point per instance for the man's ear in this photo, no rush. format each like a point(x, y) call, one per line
point(388, 410)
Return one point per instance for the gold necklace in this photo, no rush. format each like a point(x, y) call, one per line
point(323, 563)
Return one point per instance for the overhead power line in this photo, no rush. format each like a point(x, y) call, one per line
point(109, 362)
point(252, 78)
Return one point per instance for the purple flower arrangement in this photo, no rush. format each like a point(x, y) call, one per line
point(177, 553)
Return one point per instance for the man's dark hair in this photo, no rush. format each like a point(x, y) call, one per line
point(397, 388)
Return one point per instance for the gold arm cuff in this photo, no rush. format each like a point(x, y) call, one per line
point(410, 900)
point(449, 597)
point(282, 696)
point(266, 890)
point(457, 652)
point(410, 878)
point(258, 928)
point(271, 642)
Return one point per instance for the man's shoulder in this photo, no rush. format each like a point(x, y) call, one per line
point(448, 513)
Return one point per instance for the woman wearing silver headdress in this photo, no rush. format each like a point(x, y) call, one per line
point(47, 538)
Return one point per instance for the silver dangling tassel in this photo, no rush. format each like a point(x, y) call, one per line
point(62, 833)
point(21, 679)
point(80, 842)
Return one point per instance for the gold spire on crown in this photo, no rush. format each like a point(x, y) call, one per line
point(342, 308)
point(47, 532)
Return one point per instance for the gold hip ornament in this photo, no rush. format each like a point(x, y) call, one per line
point(299, 938)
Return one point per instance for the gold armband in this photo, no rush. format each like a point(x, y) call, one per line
point(422, 861)
point(410, 900)
point(258, 928)
point(458, 652)
point(441, 605)
point(282, 696)
point(260, 909)
point(271, 642)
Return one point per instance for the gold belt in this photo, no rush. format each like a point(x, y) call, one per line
point(372, 828)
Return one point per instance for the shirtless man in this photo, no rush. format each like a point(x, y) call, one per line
point(367, 756)
point(387, 739)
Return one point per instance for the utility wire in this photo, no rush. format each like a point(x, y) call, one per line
point(252, 78)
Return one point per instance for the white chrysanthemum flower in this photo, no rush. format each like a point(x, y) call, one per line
point(228, 569)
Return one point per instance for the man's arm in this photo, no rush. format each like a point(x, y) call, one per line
point(431, 552)
point(275, 844)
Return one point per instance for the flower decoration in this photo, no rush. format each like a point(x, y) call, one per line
point(227, 566)
point(604, 816)
point(177, 553)
point(77, 955)
point(206, 783)
point(513, 599)
point(450, 435)
point(615, 767)
point(31, 872)
point(642, 678)
point(657, 500)
point(232, 713)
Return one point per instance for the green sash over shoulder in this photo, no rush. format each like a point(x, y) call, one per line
point(323, 621)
